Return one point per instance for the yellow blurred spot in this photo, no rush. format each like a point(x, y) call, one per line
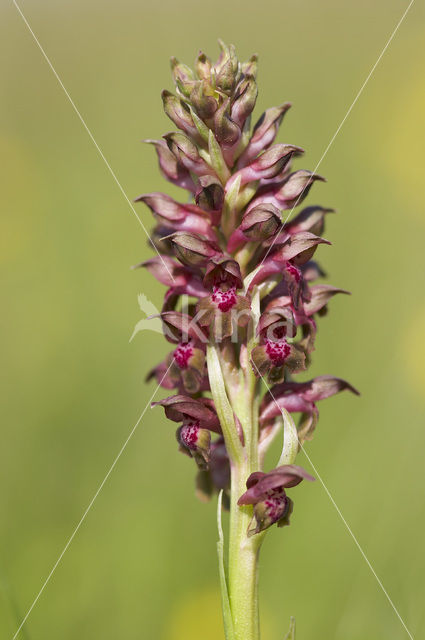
point(19, 188)
point(197, 616)
point(413, 353)
point(403, 148)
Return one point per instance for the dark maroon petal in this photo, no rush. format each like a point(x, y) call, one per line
point(280, 478)
point(222, 270)
point(261, 222)
point(269, 164)
point(320, 296)
point(299, 248)
point(170, 168)
point(194, 250)
point(310, 219)
point(264, 133)
point(180, 408)
point(166, 270)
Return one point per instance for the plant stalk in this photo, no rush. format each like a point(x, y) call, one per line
point(243, 562)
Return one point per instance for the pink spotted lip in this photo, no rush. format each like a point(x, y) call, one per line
point(182, 354)
point(224, 300)
point(276, 506)
point(277, 351)
point(189, 435)
point(293, 271)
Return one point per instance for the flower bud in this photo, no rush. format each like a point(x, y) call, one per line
point(171, 169)
point(269, 164)
point(187, 153)
point(261, 222)
point(309, 219)
point(203, 66)
point(176, 216)
point(320, 296)
point(195, 441)
point(179, 113)
point(227, 132)
point(250, 68)
point(244, 101)
point(296, 188)
point(192, 249)
point(210, 195)
point(299, 248)
point(183, 76)
point(203, 100)
point(264, 133)
point(179, 328)
point(227, 68)
point(165, 270)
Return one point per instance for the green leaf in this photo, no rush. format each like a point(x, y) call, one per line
point(225, 603)
point(222, 404)
point(290, 439)
point(291, 633)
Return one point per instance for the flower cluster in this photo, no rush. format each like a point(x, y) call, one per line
point(238, 275)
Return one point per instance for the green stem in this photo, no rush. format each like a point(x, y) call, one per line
point(239, 394)
point(243, 562)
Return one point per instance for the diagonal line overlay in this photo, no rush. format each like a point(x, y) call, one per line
point(83, 122)
point(347, 526)
point(268, 251)
point(92, 501)
point(341, 124)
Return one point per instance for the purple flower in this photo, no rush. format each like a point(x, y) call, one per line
point(238, 275)
point(266, 491)
point(301, 397)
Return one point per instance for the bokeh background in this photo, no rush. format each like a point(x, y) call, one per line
point(143, 563)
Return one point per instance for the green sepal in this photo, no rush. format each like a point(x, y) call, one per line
point(217, 161)
point(230, 206)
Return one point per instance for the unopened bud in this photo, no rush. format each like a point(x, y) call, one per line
point(183, 76)
point(269, 164)
point(261, 222)
point(192, 249)
point(227, 132)
point(170, 168)
point(210, 195)
point(296, 188)
point(250, 68)
point(187, 153)
point(203, 66)
point(203, 100)
point(179, 113)
point(245, 100)
point(227, 68)
point(264, 133)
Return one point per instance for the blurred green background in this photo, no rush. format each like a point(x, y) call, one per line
point(143, 564)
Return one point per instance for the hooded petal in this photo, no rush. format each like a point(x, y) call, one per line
point(280, 478)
